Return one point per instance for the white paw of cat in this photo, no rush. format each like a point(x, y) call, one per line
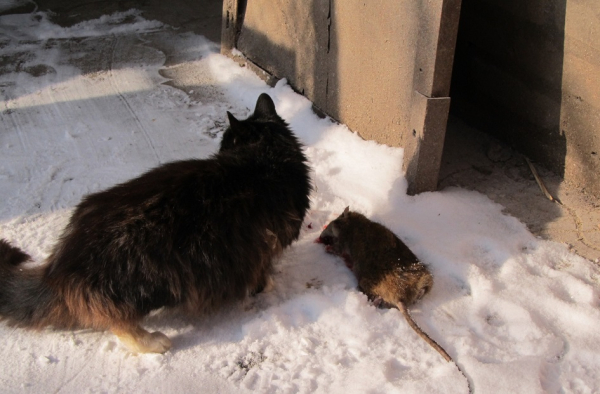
point(159, 343)
point(145, 342)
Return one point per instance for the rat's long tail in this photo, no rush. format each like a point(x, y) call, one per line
point(25, 298)
point(422, 333)
point(430, 341)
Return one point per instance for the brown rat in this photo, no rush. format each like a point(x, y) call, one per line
point(386, 269)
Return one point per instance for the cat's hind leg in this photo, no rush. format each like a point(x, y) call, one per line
point(266, 285)
point(138, 340)
point(91, 309)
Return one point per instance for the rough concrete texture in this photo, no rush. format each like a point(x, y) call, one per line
point(347, 68)
point(477, 161)
point(424, 145)
point(361, 63)
point(530, 74)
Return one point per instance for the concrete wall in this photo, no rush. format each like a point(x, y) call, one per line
point(382, 68)
point(529, 72)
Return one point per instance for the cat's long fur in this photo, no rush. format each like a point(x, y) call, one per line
point(191, 234)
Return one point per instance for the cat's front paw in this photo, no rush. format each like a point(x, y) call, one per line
point(159, 343)
point(138, 340)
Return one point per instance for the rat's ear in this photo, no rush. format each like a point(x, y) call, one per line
point(346, 212)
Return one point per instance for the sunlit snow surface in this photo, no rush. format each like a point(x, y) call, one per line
point(518, 314)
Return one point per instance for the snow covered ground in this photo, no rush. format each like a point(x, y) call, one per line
point(86, 107)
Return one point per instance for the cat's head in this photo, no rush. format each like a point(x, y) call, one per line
point(263, 123)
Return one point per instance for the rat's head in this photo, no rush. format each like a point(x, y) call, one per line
point(333, 235)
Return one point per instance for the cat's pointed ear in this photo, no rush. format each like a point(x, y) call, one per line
point(265, 107)
point(346, 212)
point(233, 122)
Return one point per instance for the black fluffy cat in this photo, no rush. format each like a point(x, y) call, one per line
point(191, 234)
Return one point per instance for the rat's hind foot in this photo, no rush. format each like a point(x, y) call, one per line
point(139, 340)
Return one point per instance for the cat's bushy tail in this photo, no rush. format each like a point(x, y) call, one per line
point(25, 298)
